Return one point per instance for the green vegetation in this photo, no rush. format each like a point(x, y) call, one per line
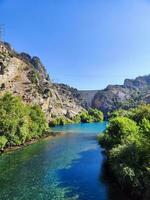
point(60, 121)
point(34, 76)
point(97, 115)
point(3, 141)
point(19, 122)
point(92, 115)
point(127, 144)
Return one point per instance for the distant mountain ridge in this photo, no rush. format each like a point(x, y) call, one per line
point(131, 93)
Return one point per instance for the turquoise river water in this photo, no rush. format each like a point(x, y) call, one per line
point(64, 168)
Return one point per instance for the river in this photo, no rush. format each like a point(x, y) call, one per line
point(63, 168)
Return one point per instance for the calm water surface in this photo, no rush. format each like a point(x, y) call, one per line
point(65, 168)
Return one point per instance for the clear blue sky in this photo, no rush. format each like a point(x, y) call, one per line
point(84, 43)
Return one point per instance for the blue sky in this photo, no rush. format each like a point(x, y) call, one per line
point(87, 44)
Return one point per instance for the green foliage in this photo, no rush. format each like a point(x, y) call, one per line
point(39, 123)
point(20, 122)
point(119, 113)
point(85, 117)
point(97, 115)
point(60, 121)
point(127, 144)
point(77, 119)
point(3, 141)
point(141, 112)
point(137, 114)
point(93, 115)
point(145, 129)
point(121, 130)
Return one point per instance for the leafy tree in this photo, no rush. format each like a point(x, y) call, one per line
point(119, 113)
point(92, 115)
point(141, 112)
point(11, 111)
point(60, 121)
point(3, 141)
point(85, 117)
point(19, 122)
point(97, 115)
point(39, 123)
point(121, 130)
point(127, 144)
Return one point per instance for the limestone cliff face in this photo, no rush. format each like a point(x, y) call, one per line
point(130, 94)
point(26, 76)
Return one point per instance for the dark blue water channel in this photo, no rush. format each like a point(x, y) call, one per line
point(63, 168)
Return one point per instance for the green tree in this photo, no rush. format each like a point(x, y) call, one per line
point(19, 122)
point(3, 141)
point(127, 144)
point(97, 115)
point(121, 130)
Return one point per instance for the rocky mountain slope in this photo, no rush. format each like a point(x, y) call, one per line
point(130, 94)
point(87, 96)
point(26, 76)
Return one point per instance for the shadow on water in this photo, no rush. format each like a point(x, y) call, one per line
point(83, 177)
point(89, 179)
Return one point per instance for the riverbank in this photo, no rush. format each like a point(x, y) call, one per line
point(58, 132)
point(49, 135)
point(127, 145)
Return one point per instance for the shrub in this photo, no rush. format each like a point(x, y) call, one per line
point(121, 130)
point(141, 112)
point(20, 122)
point(3, 141)
point(39, 123)
point(97, 115)
point(127, 144)
point(59, 121)
point(92, 115)
point(85, 117)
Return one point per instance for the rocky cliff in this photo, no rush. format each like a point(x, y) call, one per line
point(130, 94)
point(26, 76)
point(87, 96)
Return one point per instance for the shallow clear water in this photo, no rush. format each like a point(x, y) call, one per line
point(67, 167)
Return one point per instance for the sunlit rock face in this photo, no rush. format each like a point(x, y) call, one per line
point(130, 94)
point(26, 76)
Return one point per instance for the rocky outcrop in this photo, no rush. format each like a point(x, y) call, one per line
point(87, 96)
point(130, 94)
point(26, 76)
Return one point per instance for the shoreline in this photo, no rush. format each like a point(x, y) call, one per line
point(47, 135)
point(50, 135)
